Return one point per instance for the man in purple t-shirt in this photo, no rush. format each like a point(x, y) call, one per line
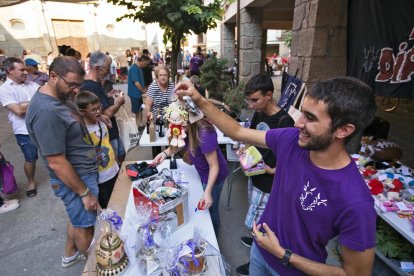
point(318, 192)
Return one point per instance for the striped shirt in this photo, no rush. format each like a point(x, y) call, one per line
point(160, 98)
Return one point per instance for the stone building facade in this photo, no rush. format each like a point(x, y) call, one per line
point(318, 27)
point(40, 26)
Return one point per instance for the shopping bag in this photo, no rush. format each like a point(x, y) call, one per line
point(128, 130)
point(7, 176)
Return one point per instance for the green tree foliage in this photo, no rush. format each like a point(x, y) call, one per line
point(176, 17)
point(235, 98)
point(288, 39)
point(213, 77)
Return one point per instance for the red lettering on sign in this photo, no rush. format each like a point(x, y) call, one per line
point(408, 67)
point(385, 65)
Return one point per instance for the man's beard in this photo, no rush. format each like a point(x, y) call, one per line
point(64, 96)
point(319, 143)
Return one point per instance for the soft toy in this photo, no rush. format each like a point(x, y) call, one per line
point(177, 117)
point(394, 189)
point(383, 150)
point(375, 186)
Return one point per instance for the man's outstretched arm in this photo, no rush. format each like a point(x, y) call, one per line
point(224, 122)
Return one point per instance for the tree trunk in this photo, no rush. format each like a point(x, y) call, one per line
point(176, 43)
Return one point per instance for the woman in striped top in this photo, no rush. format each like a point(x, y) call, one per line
point(159, 92)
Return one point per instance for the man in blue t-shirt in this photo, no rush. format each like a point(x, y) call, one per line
point(136, 89)
point(318, 192)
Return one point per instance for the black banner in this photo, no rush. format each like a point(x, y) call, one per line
point(381, 45)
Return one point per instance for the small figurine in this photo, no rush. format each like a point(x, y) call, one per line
point(177, 117)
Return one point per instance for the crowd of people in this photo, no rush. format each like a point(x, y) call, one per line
point(68, 117)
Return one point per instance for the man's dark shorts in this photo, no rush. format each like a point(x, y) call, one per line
point(28, 148)
point(136, 104)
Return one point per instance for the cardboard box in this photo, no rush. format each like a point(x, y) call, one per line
point(176, 210)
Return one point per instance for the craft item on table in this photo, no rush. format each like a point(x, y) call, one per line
point(383, 150)
point(375, 186)
point(394, 188)
point(250, 158)
point(110, 255)
point(139, 170)
point(402, 169)
point(368, 173)
point(167, 198)
point(259, 168)
point(195, 262)
point(152, 135)
point(398, 207)
point(111, 258)
point(194, 255)
point(194, 112)
point(177, 118)
point(252, 162)
point(408, 195)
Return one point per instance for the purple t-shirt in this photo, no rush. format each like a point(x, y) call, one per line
point(209, 143)
point(308, 205)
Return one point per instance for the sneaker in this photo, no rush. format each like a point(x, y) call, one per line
point(243, 270)
point(247, 241)
point(68, 261)
point(9, 205)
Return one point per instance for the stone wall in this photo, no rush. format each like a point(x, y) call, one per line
point(228, 42)
point(251, 43)
point(319, 39)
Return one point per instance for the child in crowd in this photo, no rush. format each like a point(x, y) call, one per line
point(90, 108)
point(204, 152)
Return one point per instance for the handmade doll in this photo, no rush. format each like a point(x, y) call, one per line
point(177, 117)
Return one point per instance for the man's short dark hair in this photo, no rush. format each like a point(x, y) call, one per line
point(8, 63)
point(349, 101)
point(145, 52)
point(144, 58)
point(259, 82)
point(64, 64)
point(84, 98)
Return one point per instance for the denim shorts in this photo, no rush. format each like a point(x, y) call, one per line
point(28, 148)
point(118, 147)
point(78, 216)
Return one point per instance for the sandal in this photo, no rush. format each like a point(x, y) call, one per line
point(31, 193)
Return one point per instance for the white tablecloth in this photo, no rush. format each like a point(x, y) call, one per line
point(199, 219)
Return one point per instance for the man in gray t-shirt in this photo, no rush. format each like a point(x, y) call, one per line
point(58, 131)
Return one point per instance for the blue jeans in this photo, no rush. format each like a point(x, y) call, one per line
point(258, 266)
point(214, 209)
point(78, 216)
point(118, 147)
point(28, 148)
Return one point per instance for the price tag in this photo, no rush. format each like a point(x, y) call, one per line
point(407, 266)
point(405, 171)
point(402, 206)
point(382, 177)
point(362, 149)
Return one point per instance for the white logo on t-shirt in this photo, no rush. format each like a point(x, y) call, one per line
point(309, 204)
point(262, 126)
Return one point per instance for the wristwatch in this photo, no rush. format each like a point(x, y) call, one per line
point(286, 258)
